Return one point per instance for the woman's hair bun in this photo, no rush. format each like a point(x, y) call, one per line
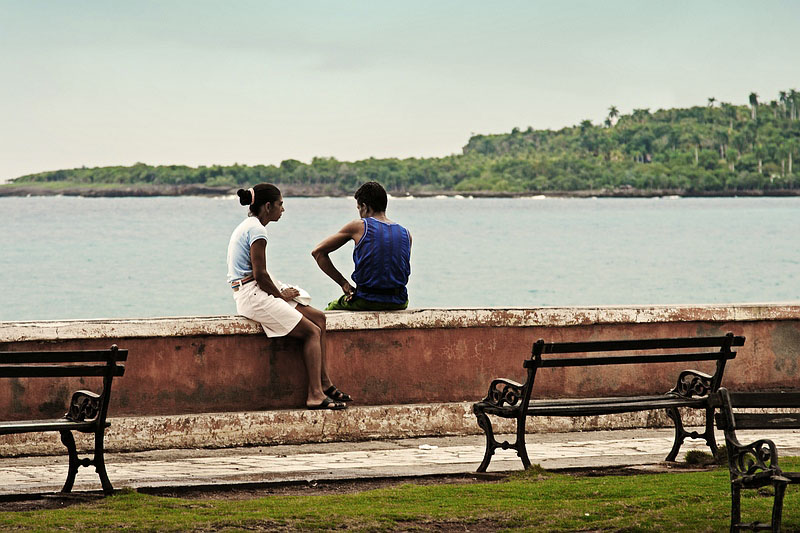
point(244, 197)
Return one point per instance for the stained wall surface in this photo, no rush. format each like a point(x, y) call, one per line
point(226, 364)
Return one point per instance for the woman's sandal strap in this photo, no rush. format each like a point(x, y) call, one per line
point(336, 394)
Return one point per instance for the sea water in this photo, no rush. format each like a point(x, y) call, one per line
point(71, 257)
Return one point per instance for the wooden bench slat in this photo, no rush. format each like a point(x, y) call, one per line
point(628, 359)
point(76, 356)
point(29, 426)
point(44, 371)
point(610, 408)
point(767, 420)
point(643, 344)
point(596, 408)
point(765, 399)
point(606, 400)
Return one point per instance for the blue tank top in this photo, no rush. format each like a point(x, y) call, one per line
point(382, 262)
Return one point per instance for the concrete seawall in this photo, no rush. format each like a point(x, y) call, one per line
point(218, 381)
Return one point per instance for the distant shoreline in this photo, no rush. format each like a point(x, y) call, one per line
point(119, 191)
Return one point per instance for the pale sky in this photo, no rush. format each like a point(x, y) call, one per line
point(197, 82)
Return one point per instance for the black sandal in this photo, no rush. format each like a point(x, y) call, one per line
point(327, 403)
point(335, 394)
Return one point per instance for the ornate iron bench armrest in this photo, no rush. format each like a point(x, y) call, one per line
point(749, 461)
point(693, 383)
point(84, 405)
point(503, 391)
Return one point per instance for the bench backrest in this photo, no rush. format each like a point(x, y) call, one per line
point(746, 461)
point(691, 383)
point(76, 363)
point(728, 419)
point(722, 344)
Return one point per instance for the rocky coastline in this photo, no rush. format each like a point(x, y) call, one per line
point(146, 190)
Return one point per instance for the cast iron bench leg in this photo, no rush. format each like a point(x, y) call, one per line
point(711, 440)
point(69, 441)
point(736, 507)
point(777, 506)
point(100, 463)
point(491, 444)
point(519, 445)
point(681, 433)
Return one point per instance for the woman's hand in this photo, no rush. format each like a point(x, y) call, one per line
point(349, 291)
point(289, 292)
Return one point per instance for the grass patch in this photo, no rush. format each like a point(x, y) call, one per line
point(703, 458)
point(533, 501)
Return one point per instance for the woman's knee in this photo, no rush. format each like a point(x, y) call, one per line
point(321, 319)
point(306, 329)
point(316, 316)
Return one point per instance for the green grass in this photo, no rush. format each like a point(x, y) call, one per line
point(532, 501)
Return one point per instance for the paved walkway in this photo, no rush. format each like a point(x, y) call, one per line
point(374, 459)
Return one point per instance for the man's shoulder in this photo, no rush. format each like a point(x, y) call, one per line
point(354, 226)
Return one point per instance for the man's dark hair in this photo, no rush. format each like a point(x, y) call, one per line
point(373, 195)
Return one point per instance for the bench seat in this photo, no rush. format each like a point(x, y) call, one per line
point(59, 424)
point(598, 406)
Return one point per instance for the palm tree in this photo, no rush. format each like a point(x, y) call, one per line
point(753, 104)
point(722, 137)
point(793, 94)
point(782, 98)
point(693, 139)
point(711, 101)
point(613, 113)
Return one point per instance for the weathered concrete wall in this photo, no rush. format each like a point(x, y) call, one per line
point(214, 364)
point(299, 426)
point(182, 366)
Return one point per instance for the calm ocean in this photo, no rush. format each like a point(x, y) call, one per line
point(66, 257)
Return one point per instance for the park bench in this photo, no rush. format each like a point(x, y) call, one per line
point(512, 400)
point(87, 410)
point(755, 465)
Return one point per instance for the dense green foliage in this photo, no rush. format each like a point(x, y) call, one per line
point(700, 149)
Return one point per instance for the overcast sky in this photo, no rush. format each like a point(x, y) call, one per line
point(195, 82)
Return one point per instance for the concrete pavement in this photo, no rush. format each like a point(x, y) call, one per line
point(359, 460)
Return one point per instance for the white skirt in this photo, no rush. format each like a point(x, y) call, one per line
point(277, 316)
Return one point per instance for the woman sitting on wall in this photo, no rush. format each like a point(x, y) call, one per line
point(258, 298)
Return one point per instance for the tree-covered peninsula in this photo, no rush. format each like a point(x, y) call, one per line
point(714, 148)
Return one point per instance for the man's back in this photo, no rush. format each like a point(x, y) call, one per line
point(382, 262)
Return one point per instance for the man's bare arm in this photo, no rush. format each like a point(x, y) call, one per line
point(321, 253)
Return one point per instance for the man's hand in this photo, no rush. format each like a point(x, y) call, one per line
point(348, 290)
point(289, 292)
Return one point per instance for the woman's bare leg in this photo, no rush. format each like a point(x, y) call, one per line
point(309, 333)
point(318, 318)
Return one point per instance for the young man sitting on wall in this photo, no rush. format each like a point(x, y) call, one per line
point(381, 256)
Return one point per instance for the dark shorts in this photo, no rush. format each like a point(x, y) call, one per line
point(360, 304)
